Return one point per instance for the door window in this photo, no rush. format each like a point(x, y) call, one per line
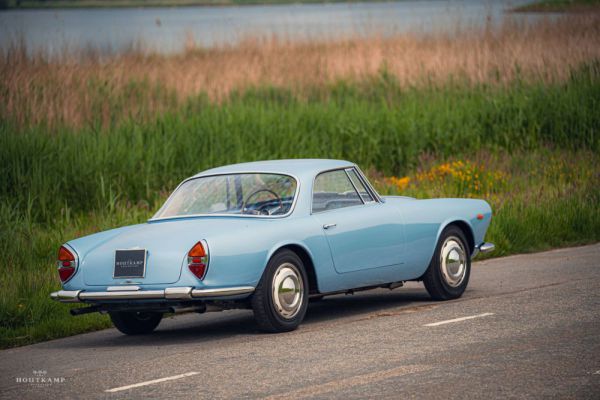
point(358, 184)
point(333, 190)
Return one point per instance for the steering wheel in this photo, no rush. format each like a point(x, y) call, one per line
point(261, 208)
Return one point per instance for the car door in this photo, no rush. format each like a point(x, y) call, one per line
point(362, 232)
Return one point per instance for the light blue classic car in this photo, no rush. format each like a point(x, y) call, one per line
point(268, 236)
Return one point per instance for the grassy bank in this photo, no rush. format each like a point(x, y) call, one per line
point(560, 6)
point(90, 143)
point(541, 200)
point(376, 123)
point(67, 4)
point(531, 150)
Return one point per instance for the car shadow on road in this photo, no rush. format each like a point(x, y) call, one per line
point(362, 304)
point(204, 328)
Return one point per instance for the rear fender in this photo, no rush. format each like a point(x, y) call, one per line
point(310, 269)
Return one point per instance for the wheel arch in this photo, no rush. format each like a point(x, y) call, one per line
point(464, 226)
point(307, 260)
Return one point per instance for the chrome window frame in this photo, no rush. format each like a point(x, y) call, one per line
point(360, 180)
point(376, 197)
point(368, 185)
point(292, 208)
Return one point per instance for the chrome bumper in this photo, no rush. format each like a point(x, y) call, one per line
point(176, 293)
point(484, 247)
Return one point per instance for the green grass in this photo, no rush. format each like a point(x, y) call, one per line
point(559, 6)
point(541, 199)
point(54, 4)
point(533, 146)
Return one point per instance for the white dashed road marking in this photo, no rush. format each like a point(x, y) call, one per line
point(449, 321)
point(152, 382)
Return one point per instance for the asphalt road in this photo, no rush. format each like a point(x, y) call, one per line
point(534, 332)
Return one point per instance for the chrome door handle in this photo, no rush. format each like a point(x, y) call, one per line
point(329, 226)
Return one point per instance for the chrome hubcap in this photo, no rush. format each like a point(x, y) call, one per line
point(453, 261)
point(288, 290)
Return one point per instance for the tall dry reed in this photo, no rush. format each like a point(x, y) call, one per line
point(77, 89)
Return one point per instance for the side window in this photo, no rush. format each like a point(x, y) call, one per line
point(362, 190)
point(333, 190)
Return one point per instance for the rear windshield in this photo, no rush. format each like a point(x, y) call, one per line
point(257, 194)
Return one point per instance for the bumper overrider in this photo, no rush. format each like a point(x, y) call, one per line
point(484, 247)
point(134, 293)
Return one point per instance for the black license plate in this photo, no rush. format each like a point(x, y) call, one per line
point(130, 263)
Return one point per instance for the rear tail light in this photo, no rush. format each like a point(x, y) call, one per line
point(198, 260)
point(66, 264)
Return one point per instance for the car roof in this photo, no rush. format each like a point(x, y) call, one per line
point(299, 166)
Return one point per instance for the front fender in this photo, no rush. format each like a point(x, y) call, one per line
point(476, 226)
point(462, 222)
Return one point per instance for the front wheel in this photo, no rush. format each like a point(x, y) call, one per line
point(450, 267)
point(135, 323)
point(281, 297)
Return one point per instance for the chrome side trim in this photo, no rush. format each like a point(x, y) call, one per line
point(174, 293)
point(233, 291)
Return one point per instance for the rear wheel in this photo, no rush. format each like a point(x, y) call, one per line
point(281, 297)
point(135, 323)
point(448, 274)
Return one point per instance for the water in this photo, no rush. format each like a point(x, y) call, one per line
point(166, 30)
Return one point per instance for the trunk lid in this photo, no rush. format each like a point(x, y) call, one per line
point(167, 243)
